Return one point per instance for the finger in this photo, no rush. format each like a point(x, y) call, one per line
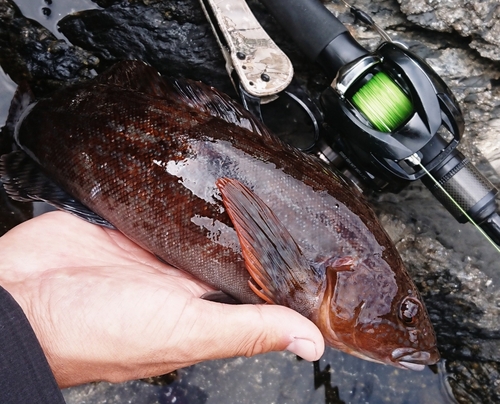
point(247, 330)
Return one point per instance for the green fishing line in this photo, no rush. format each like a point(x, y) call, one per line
point(384, 104)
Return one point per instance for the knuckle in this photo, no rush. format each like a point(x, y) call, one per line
point(259, 343)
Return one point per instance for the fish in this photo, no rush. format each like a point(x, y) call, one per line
point(188, 174)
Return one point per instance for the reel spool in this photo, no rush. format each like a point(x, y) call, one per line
point(383, 103)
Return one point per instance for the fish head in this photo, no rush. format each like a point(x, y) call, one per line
point(374, 311)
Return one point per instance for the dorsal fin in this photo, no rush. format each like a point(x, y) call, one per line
point(209, 100)
point(137, 76)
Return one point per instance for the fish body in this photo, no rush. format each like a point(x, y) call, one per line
point(191, 177)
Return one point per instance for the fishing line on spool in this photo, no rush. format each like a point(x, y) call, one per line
point(383, 102)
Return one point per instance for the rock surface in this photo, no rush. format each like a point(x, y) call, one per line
point(454, 267)
point(479, 21)
point(31, 53)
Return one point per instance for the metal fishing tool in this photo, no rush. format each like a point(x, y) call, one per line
point(393, 119)
point(262, 73)
point(257, 67)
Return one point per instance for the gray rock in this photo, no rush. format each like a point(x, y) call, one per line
point(477, 20)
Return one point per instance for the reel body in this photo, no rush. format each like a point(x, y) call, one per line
point(432, 128)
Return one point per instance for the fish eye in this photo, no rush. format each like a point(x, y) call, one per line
point(409, 310)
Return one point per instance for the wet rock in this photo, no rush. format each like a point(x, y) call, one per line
point(455, 278)
point(31, 53)
point(468, 381)
point(477, 20)
point(173, 37)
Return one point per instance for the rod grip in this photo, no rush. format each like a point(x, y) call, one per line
point(310, 24)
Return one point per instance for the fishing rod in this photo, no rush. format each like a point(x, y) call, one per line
point(393, 120)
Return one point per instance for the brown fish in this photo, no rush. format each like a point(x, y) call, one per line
point(191, 177)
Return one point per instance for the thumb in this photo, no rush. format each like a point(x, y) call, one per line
point(247, 330)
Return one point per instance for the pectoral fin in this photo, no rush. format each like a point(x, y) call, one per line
point(282, 275)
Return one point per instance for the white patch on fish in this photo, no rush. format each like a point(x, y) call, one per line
point(197, 184)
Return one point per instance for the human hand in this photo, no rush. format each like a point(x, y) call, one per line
point(104, 309)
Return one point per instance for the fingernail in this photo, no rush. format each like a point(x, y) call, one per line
point(304, 348)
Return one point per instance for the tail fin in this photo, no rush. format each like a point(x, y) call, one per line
point(23, 97)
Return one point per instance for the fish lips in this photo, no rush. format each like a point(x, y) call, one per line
point(410, 358)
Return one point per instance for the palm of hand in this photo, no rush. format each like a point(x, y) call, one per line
point(98, 288)
point(104, 309)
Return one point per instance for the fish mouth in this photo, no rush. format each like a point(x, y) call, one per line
point(409, 358)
